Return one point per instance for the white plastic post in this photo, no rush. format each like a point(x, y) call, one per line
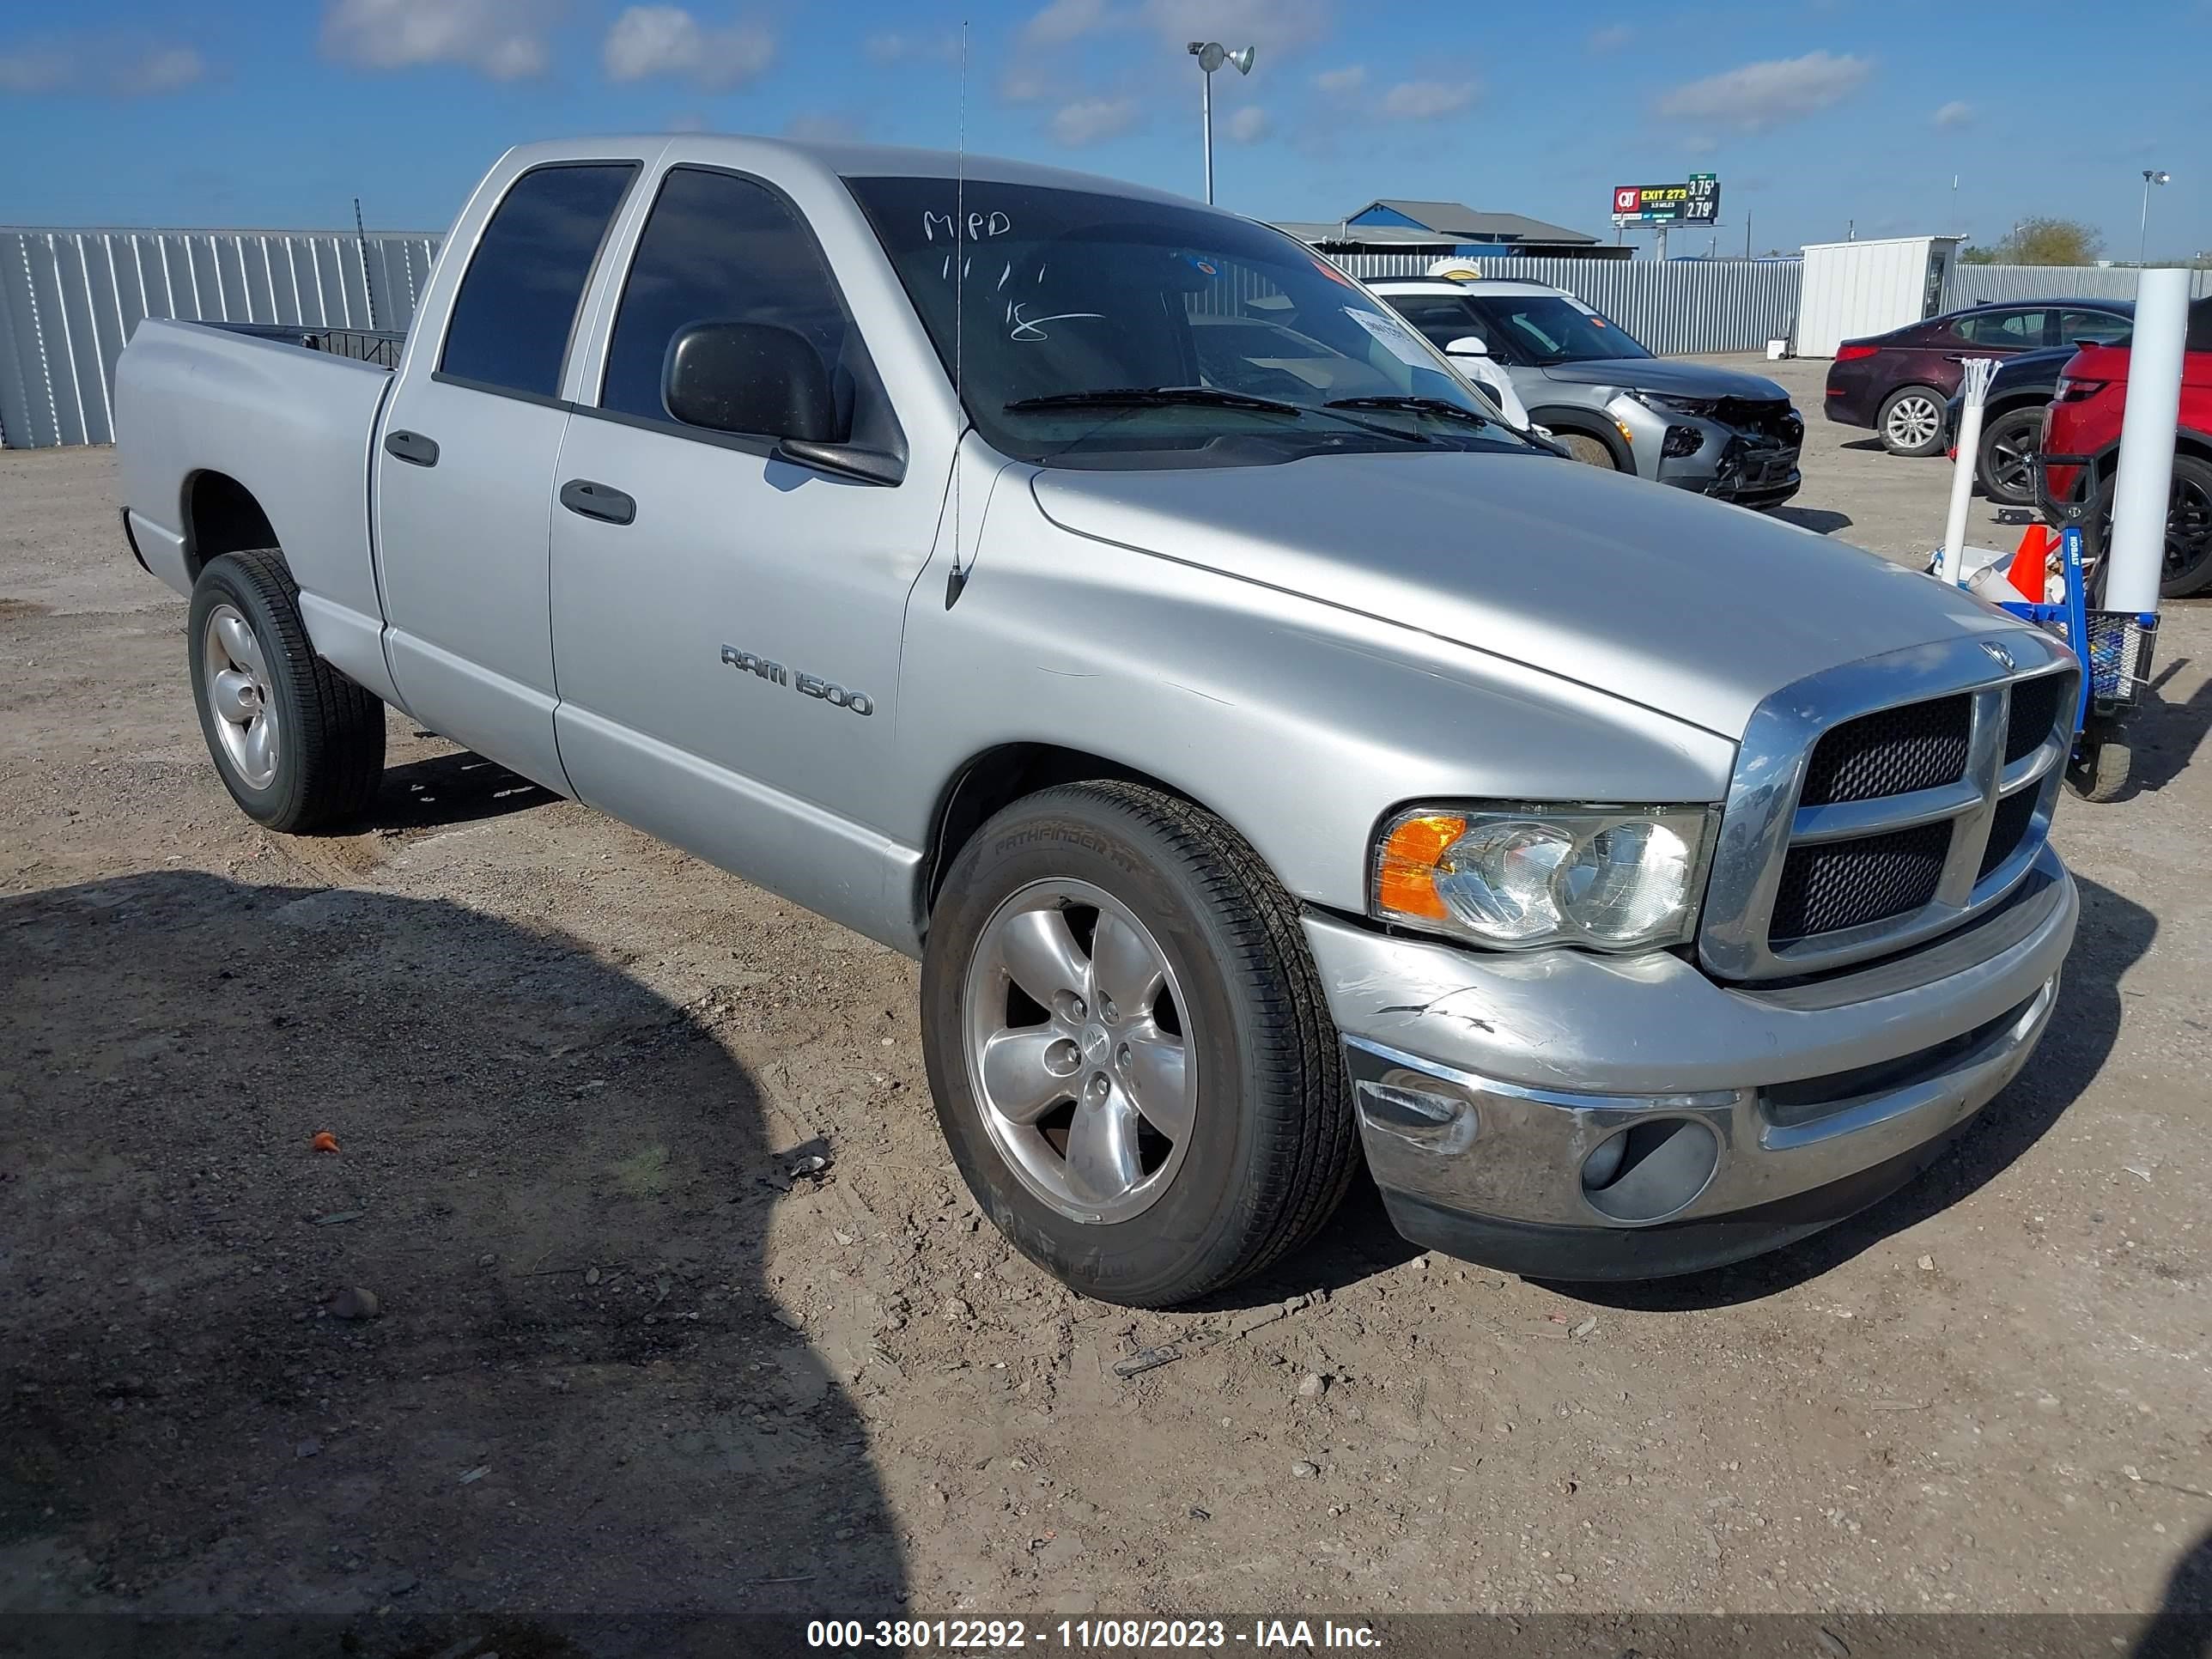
point(1977, 388)
point(2147, 426)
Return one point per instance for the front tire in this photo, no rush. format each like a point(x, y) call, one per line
point(1910, 422)
point(1132, 1058)
point(300, 746)
point(1590, 451)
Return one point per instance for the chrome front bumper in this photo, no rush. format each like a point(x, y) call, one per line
point(1486, 1085)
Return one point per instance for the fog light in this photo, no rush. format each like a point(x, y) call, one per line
point(1650, 1170)
point(1680, 440)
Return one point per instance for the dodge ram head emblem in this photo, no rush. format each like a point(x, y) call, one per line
point(1999, 655)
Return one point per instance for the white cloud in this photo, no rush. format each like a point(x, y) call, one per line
point(647, 42)
point(82, 63)
point(1337, 82)
point(1093, 120)
point(1066, 20)
point(1428, 101)
point(1760, 95)
point(162, 68)
point(1249, 124)
point(821, 128)
point(1273, 26)
point(1026, 83)
point(36, 69)
point(502, 39)
point(890, 47)
point(1612, 38)
point(1956, 113)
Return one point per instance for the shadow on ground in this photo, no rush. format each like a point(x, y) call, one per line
point(452, 789)
point(2165, 735)
point(2182, 1627)
point(1818, 519)
point(575, 1404)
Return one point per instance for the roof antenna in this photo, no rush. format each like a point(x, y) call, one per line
point(956, 578)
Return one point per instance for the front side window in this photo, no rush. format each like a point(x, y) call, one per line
point(1099, 331)
point(721, 249)
point(517, 304)
point(1548, 328)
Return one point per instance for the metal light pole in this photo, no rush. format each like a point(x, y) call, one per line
point(2151, 176)
point(1212, 55)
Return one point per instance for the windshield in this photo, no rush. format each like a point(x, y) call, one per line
point(1547, 328)
point(1100, 330)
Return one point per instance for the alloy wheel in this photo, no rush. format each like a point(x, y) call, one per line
point(237, 674)
point(1079, 1051)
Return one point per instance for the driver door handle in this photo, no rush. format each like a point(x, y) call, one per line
point(412, 447)
point(598, 501)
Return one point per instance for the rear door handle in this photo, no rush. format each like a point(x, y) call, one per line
point(412, 447)
point(598, 501)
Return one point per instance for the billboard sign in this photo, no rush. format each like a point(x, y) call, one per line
point(1697, 201)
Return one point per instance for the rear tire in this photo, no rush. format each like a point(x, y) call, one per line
point(2006, 465)
point(1591, 452)
point(1910, 422)
point(1062, 889)
point(299, 745)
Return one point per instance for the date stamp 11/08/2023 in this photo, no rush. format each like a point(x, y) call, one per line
point(1089, 1635)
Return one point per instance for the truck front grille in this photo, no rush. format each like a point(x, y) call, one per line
point(1856, 830)
point(1832, 885)
point(1891, 753)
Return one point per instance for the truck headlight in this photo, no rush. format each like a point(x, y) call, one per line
point(1611, 878)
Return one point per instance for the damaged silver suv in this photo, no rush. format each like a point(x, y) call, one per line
point(1724, 433)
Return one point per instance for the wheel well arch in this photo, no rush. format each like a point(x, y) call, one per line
point(220, 515)
point(1581, 420)
point(997, 778)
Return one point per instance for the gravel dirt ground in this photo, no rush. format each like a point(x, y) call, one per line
point(623, 1362)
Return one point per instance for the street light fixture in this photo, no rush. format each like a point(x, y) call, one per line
point(1212, 55)
point(2151, 176)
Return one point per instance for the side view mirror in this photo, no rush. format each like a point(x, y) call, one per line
point(766, 382)
point(754, 378)
point(1468, 345)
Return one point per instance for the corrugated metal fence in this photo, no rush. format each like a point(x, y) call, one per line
point(68, 300)
point(1970, 285)
point(1675, 308)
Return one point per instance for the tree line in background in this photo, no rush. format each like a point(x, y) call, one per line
point(2040, 240)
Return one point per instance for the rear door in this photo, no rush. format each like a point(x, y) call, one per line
point(726, 623)
point(464, 470)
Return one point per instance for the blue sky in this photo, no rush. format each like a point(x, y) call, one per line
point(1814, 113)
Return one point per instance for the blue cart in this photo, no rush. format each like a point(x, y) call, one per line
point(2115, 646)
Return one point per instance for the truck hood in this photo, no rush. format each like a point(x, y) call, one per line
point(1676, 379)
point(1689, 606)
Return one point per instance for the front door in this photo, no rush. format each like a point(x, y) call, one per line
point(464, 473)
point(726, 625)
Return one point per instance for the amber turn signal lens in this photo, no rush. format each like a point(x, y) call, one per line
point(1405, 875)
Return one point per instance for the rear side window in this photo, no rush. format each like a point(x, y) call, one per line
point(1442, 318)
point(518, 301)
point(2020, 329)
point(2092, 328)
point(720, 248)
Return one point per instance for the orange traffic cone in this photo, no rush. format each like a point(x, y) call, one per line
point(2032, 563)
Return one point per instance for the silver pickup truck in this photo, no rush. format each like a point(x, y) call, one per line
point(1277, 763)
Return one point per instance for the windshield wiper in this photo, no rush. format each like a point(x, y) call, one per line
point(1443, 406)
point(1154, 397)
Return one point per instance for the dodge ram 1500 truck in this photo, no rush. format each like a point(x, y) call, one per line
point(1274, 762)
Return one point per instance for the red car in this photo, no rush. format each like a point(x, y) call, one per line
point(1898, 382)
point(2084, 419)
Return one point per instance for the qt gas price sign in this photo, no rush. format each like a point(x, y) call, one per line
point(1696, 201)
